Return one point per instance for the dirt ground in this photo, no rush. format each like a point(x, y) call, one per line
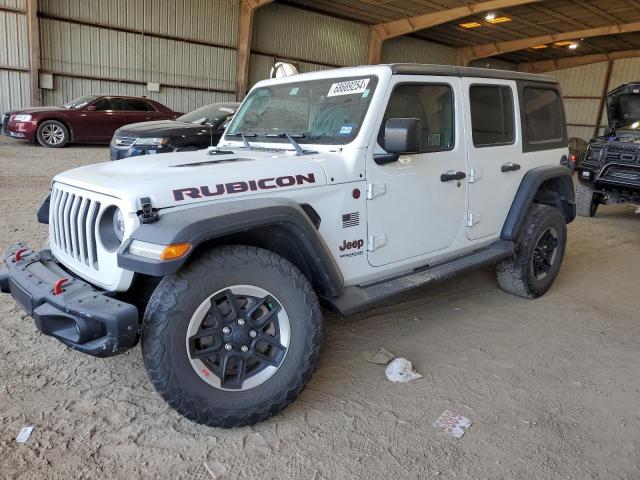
point(552, 385)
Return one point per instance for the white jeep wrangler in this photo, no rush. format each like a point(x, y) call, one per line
point(343, 187)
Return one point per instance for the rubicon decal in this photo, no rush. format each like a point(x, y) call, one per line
point(351, 248)
point(242, 186)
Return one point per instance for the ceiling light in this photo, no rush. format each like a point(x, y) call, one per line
point(540, 47)
point(490, 17)
point(573, 46)
point(564, 43)
point(499, 20)
point(470, 25)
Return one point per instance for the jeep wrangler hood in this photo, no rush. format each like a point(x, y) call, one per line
point(623, 105)
point(175, 179)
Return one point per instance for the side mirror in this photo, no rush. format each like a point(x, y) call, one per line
point(91, 108)
point(401, 135)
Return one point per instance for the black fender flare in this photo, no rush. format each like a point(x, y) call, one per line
point(557, 191)
point(198, 225)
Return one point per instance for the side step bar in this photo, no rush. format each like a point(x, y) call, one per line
point(357, 298)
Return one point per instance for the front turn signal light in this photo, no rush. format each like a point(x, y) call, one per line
point(171, 252)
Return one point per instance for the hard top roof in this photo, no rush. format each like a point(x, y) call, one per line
point(451, 70)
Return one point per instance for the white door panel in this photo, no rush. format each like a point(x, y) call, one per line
point(412, 211)
point(491, 190)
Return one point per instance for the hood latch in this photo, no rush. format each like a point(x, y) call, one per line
point(148, 214)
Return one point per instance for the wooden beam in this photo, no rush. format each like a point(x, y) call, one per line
point(498, 48)
point(570, 62)
point(33, 44)
point(397, 28)
point(245, 32)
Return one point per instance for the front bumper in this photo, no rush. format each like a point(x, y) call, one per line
point(80, 316)
point(21, 130)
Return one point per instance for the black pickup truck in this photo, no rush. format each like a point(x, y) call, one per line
point(609, 172)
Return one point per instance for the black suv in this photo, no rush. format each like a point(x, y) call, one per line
point(195, 130)
point(610, 169)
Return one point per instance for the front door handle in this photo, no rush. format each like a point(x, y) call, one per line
point(510, 167)
point(449, 176)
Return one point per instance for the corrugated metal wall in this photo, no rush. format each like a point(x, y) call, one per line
point(582, 88)
point(15, 4)
point(199, 69)
point(213, 21)
point(316, 42)
point(413, 50)
point(14, 57)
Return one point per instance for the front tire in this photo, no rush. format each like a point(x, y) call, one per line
point(52, 134)
point(232, 338)
point(539, 250)
point(587, 201)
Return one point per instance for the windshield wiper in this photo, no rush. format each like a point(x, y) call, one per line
point(244, 138)
point(292, 141)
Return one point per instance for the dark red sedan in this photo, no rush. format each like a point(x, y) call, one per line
point(88, 119)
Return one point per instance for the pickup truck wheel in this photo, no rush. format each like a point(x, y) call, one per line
point(540, 247)
point(232, 338)
point(53, 134)
point(587, 201)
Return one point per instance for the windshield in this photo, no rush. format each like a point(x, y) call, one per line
point(624, 109)
point(328, 111)
point(214, 114)
point(80, 102)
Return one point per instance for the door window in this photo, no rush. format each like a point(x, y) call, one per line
point(103, 104)
point(432, 104)
point(492, 115)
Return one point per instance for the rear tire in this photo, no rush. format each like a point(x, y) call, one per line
point(587, 201)
point(204, 336)
point(539, 250)
point(52, 134)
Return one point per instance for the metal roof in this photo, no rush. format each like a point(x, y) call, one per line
point(545, 17)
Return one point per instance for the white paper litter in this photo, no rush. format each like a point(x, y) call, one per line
point(452, 423)
point(401, 370)
point(24, 434)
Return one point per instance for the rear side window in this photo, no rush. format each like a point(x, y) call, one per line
point(130, 105)
point(542, 115)
point(492, 115)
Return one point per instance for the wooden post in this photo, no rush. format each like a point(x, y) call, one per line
point(603, 99)
point(375, 47)
point(33, 43)
point(245, 32)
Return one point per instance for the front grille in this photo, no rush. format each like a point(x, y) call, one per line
point(73, 219)
point(625, 154)
point(5, 121)
point(123, 142)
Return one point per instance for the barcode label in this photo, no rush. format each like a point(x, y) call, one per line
point(351, 87)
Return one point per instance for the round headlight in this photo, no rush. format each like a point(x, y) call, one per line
point(111, 228)
point(118, 224)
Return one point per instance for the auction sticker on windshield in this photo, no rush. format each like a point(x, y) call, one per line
point(350, 87)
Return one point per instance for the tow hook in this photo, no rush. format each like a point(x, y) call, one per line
point(148, 214)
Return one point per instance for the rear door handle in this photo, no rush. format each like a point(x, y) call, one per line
point(449, 176)
point(510, 167)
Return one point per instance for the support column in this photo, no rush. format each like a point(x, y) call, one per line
point(603, 99)
point(245, 32)
point(375, 47)
point(33, 43)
